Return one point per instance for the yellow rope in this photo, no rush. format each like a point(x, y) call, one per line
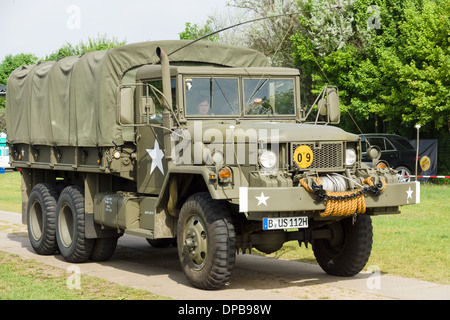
point(354, 202)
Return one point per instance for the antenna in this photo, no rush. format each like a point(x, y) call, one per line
point(249, 21)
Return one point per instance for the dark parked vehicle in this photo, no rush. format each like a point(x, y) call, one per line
point(395, 150)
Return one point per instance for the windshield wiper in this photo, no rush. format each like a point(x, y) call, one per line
point(257, 90)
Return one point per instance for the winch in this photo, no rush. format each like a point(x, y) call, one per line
point(341, 203)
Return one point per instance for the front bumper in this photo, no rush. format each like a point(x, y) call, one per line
point(298, 199)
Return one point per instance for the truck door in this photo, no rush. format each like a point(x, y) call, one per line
point(152, 158)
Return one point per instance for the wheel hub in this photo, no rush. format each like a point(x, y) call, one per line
point(195, 242)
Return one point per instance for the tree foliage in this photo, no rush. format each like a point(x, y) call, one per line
point(102, 42)
point(193, 32)
point(12, 62)
point(8, 65)
point(390, 60)
point(271, 36)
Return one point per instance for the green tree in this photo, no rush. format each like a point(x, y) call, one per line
point(102, 42)
point(389, 58)
point(193, 32)
point(2, 119)
point(10, 63)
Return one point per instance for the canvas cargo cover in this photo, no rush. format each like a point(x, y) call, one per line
point(71, 102)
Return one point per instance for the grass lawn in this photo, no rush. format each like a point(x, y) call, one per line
point(22, 279)
point(414, 243)
point(10, 198)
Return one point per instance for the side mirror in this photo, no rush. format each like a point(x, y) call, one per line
point(125, 105)
point(333, 109)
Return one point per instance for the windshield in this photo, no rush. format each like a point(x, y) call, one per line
point(212, 96)
point(269, 96)
point(220, 96)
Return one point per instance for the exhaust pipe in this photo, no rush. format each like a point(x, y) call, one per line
point(167, 91)
point(165, 70)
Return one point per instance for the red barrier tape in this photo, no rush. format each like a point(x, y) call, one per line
point(444, 177)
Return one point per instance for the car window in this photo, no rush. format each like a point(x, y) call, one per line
point(364, 144)
point(388, 145)
point(403, 143)
point(377, 142)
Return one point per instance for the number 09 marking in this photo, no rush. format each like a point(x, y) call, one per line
point(303, 156)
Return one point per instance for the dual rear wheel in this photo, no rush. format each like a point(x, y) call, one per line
point(56, 222)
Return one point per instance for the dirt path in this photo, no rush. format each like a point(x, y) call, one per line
point(136, 264)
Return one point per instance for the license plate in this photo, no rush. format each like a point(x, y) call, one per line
point(285, 223)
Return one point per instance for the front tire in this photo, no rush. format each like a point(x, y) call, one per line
point(348, 251)
point(72, 243)
point(206, 242)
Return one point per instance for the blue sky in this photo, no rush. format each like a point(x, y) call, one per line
point(43, 26)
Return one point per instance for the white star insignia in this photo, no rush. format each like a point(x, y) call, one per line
point(262, 199)
point(156, 154)
point(409, 193)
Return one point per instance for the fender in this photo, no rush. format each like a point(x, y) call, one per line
point(182, 181)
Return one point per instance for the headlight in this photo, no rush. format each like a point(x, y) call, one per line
point(268, 159)
point(350, 157)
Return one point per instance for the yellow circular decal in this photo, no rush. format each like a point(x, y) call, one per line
point(303, 155)
point(425, 163)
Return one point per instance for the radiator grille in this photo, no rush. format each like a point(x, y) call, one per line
point(326, 156)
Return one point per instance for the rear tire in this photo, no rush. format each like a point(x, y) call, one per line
point(41, 216)
point(348, 251)
point(72, 243)
point(206, 242)
point(103, 249)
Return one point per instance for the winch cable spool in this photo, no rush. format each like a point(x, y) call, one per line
point(343, 203)
point(333, 183)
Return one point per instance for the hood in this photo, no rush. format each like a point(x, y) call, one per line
point(269, 131)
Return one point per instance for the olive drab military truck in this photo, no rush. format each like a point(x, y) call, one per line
point(200, 142)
